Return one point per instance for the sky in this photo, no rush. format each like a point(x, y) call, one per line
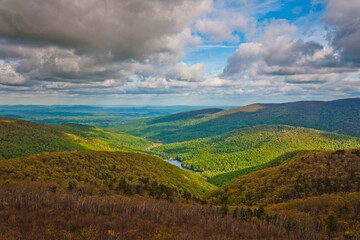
point(178, 52)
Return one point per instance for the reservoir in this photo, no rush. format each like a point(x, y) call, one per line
point(178, 164)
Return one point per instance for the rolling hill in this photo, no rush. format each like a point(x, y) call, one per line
point(250, 147)
point(224, 178)
point(339, 116)
point(154, 127)
point(313, 174)
point(315, 212)
point(38, 211)
point(88, 136)
point(101, 169)
point(84, 194)
point(21, 138)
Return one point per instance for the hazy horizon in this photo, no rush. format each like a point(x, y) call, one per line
point(174, 105)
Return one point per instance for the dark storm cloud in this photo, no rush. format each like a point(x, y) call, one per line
point(293, 52)
point(282, 57)
point(343, 22)
point(128, 29)
point(84, 41)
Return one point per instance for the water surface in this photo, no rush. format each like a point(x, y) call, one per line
point(178, 164)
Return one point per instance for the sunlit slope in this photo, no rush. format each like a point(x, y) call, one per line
point(22, 138)
point(314, 174)
point(341, 116)
point(224, 178)
point(101, 168)
point(89, 136)
point(250, 147)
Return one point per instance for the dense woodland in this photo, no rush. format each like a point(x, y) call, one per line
point(319, 191)
point(313, 174)
point(22, 138)
point(94, 137)
point(36, 211)
point(250, 147)
point(338, 212)
point(256, 181)
point(224, 178)
point(339, 116)
point(96, 171)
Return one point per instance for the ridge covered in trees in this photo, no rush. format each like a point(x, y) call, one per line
point(339, 116)
point(103, 171)
point(316, 192)
point(224, 178)
point(313, 174)
point(251, 147)
point(285, 187)
point(35, 211)
point(22, 138)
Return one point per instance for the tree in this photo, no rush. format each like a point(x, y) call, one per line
point(235, 213)
point(224, 210)
point(331, 224)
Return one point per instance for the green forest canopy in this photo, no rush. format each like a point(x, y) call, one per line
point(250, 147)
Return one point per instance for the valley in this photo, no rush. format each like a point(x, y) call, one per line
point(183, 175)
point(250, 147)
point(180, 120)
point(340, 116)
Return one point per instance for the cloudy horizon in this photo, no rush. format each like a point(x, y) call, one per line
point(157, 52)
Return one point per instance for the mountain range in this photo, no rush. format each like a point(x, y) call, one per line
point(340, 116)
point(279, 171)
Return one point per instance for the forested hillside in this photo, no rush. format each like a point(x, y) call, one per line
point(23, 138)
point(339, 116)
point(250, 147)
point(314, 174)
point(287, 189)
point(119, 195)
point(224, 178)
point(38, 211)
point(156, 126)
point(90, 135)
point(104, 170)
point(328, 213)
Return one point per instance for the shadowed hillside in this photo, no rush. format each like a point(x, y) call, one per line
point(334, 116)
